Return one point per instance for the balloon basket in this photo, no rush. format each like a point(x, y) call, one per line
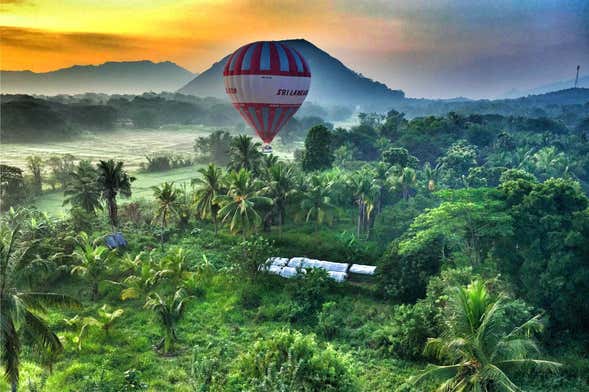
point(267, 149)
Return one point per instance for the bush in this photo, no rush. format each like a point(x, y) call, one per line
point(326, 245)
point(404, 276)
point(309, 296)
point(250, 255)
point(293, 362)
point(406, 335)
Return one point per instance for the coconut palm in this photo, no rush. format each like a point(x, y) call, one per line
point(82, 190)
point(208, 187)
point(112, 181)
point(404, 181)
point(239, 207)
point(166, 197)
point(20, 309)
point(478, 347)
point(141, 275)
point(365, 191)
point(244, 154)
point(281, 189)
point(316, 203)
point(93, 261)
point(169, 311)
point(174, 267)
point(431, 175)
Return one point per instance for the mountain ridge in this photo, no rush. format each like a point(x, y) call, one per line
point(111, 77)
point(329, 74)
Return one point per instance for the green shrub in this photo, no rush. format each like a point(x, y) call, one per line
point(292, 361)
point(309, 294)
point(406, 335)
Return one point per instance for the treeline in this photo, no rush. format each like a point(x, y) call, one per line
point(27, 118)
point(476, 147)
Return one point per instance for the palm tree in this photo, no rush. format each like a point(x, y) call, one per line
point(280, 189)
point(169, 311)
point(167, 199)
point(316, 203)
point(431, 175)
point(365, 192)
point(244, 154)
point(93, 262)
point(208, 187)
point(35, 165)
point(19, 309)
point(479, 348)
point(174, 267)
point(141, 276)
point(404, 181)
point(240, 205)
point(83, 190)
point(113, 180)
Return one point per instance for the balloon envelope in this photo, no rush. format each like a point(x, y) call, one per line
point(267, 82)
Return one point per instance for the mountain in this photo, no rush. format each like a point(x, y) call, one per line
point(547, 88)
point(126, 77)
point(331, 82)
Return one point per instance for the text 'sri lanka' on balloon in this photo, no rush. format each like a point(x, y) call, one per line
point(267, 82)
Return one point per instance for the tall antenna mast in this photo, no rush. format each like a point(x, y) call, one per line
point(577, 77)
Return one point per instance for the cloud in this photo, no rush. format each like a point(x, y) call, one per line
point(44, 40)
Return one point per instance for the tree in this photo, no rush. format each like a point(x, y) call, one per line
point(468, 222)
point(61, 168)
point(365, 192)
point(113, 180)
point(83, 189)
point(404, 181)
point(12, 186)
point(431, 175)
point(548, 162)
point(479, 346)
point(547, 256)
point(166, 197)
point(35, 165)
point(281, 189)
point(214, 147)
point(239, 207)
point(244, 154)
point(169, 311)
point(318, 152)
point(92, 262)
point(400, 157)
point(316, 203)
point(19, 309)
point(208, 187)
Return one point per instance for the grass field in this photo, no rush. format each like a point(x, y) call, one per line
point(51, 202)
point(130, 146)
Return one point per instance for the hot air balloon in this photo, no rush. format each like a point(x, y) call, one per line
point(267, 82)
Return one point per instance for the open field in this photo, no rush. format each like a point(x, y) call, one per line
point(130, 146)
point(51, 202)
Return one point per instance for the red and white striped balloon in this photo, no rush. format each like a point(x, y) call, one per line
point(267, 82)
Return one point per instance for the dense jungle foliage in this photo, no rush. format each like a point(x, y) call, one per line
point(478, 225)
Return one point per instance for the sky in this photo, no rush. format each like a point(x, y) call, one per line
point(435, 48)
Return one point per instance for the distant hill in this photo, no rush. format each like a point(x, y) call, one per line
point(127, 77)
point(331, 83)
point(547, 88)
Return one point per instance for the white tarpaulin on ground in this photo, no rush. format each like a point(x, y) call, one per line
point(336, 271)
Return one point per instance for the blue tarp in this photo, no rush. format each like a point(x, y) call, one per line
point(115, 240)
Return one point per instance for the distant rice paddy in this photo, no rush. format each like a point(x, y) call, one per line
point(129, 146)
